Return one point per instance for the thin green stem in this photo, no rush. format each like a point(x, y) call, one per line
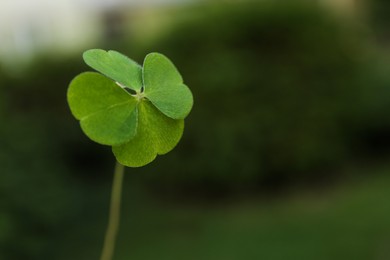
point(114, 217)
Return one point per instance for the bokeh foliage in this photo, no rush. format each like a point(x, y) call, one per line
point(378, 14)
point(284, 93)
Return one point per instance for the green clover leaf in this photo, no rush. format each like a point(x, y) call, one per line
point(115, 66)
point(138, 126)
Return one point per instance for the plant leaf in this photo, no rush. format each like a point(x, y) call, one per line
point(107, 113)
point(115, 66)
point(156, 134)
point(163, 86)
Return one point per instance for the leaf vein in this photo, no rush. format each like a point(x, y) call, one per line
point(107, 108)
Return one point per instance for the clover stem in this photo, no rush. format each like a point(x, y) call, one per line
point(114, 215)
point(139, 95)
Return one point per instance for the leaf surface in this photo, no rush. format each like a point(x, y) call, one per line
point(163, 86)
point(115, 66)
point(107, 113)
point(156, 134)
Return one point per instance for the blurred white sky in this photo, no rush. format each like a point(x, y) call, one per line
point(31, 26)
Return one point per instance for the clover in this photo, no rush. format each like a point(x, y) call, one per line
point(139, 111)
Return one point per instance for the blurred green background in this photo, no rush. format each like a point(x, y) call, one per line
point(286, 154)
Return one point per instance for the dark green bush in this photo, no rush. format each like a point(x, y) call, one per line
point(279, 90)
point(45, 162)
point(378, 14)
